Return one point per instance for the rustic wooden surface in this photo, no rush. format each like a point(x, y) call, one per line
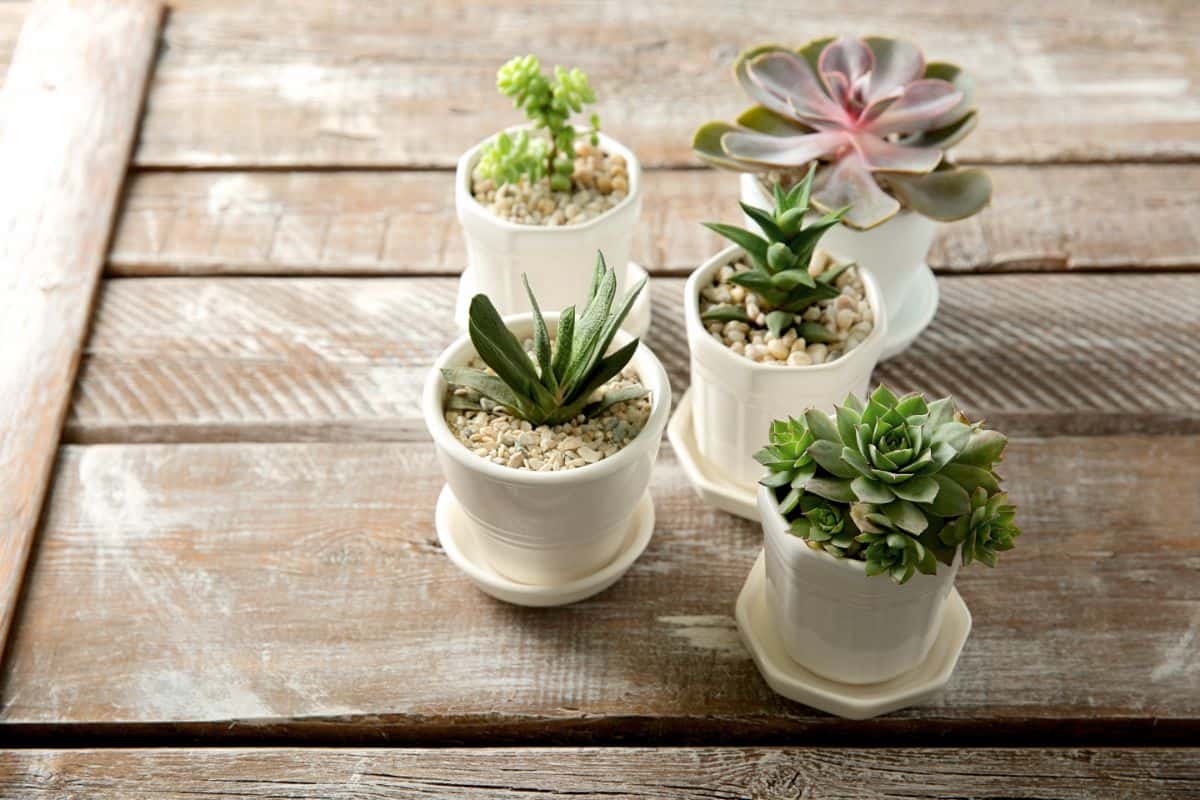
point(346, 83)
point(238, 545)
point(1044, 218)
point(70, 107)
point(277, 590)
point(256, 359)
point(495, 774)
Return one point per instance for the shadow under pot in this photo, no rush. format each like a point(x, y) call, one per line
point(547, 528)
point(559, 259)
point(894, 252)
point(836, 621)
point(735, 399)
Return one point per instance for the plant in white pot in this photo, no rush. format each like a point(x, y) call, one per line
point(771, 323)
point(546, 428)
point(537, 200)
point(896, 486)
point(879, 122)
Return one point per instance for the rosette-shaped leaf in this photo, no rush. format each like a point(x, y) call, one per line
point(898, 449)
point(986, 530)
point(826, 525)
point(890, 549)
point(871, 111)
point(897, 482)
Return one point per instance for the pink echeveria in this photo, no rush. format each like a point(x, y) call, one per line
point(871, 112)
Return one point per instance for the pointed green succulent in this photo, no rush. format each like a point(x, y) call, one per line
point(556, 382)
point(914, 482)
point(778, 272)
point(986, 530)
point(548, 103)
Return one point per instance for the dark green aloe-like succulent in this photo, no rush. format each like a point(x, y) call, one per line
point(557, 382)
point(907, 481)
point(778, 272)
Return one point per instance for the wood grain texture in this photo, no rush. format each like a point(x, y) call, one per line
point(69, 112)
point(228, 359)
point(412, 85)
point(1042, 218)
point(662, 774)
point(283, 592)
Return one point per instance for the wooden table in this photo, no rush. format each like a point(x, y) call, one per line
point(235, 580)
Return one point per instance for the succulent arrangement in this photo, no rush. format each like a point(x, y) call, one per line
point(897, 482)
point(875, 116)
point(548, 102)
point(779, 273)
point(558, 382)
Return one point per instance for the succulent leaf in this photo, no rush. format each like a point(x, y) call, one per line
point(779, 263)
point(913, 480)
point(548, 103)
point(559, 381)
point(865, 111)
point(946, 195)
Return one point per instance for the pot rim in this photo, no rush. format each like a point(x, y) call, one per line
point(703, 339)
point(466, 165)
point(644, 362)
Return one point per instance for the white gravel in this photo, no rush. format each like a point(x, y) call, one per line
point(848, 317)
point(600, 182)
point(503, 439)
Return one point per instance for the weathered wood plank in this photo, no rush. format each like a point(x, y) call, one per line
point(263, 591)
point(1043, 218)
point(506, 774)
point(338, 83)
point(223, 359)
point(69, 111)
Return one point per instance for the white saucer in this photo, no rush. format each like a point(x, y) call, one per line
point(757, 627)
point(635, 324)
point(906, 324)
point(459, 543)
point(713, 488)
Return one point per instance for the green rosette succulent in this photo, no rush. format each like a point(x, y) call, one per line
point(986, 530)
point(897, 482)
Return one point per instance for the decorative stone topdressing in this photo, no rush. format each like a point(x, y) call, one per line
point(849, 319)
point(501, 438)
point(599, 183)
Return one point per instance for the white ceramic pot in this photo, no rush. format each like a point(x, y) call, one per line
point(558, 260)
point(837, 622)
point(735, 399)
point(548, 528)
point(893, 252)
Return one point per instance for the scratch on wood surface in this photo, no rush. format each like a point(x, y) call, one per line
point(240, 192)
point(715, 632)
point(1183, 657)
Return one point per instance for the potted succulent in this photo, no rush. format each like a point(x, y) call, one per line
point(897, 487)
point(879, 122)
point(546, 427)
point(538, 199)
point(772, 322)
